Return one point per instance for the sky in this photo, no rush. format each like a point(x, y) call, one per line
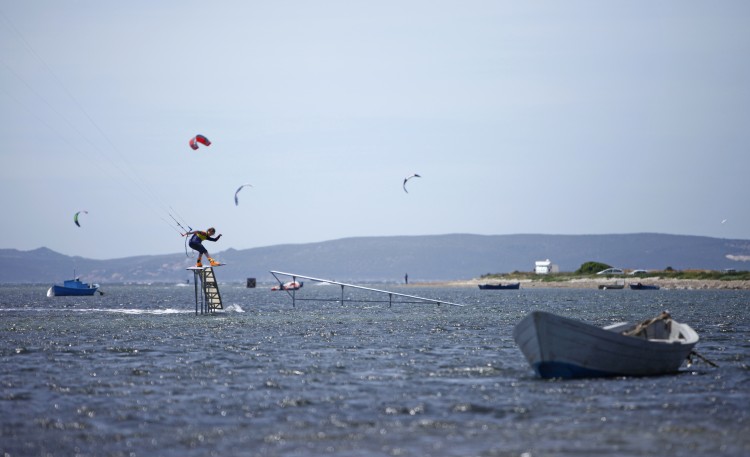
point(549, 117)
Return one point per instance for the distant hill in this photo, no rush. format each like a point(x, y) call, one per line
point(424, 258)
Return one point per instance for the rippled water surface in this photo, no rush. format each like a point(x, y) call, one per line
point(136, 373)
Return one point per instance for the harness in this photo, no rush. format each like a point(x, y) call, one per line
point(199, 237)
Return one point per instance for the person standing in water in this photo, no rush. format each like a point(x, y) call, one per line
point(196, 243)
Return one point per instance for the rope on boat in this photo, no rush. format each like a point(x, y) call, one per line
point(695, 353)
point(643, 325)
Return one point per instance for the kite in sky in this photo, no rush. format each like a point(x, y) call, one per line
point(236, 200)
point(199, 139)
point(75, 218)
point(408, 178)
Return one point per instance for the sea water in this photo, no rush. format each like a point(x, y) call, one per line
point(136, 372)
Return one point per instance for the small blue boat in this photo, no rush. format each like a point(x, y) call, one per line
point(73, 287)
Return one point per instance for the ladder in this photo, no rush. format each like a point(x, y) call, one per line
point(210, 297)
point(211, 290)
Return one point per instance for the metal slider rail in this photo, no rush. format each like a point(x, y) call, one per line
point(293, 295)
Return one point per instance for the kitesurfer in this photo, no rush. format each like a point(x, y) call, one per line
point(196, 243)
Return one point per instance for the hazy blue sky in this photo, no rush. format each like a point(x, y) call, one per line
point(555, 117)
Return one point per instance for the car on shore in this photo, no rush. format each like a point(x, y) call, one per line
point(611, 271)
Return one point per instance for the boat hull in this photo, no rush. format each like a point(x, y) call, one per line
point(516, 285)
point(72, 287)
point(640, 286)
point(558, 347)
point(59, 291)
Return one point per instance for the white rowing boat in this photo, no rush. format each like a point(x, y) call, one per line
point(559, 347)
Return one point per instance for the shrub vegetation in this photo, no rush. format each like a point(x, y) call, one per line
point(589, 269)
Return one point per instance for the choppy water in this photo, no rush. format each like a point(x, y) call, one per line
point(136, 373)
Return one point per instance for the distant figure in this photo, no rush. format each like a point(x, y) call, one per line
point(196, 244)
point(406, 278)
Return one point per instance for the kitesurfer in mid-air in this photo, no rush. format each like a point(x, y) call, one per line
point(196, 243)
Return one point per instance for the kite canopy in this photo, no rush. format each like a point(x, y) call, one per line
point(199, 139)
point(75, 218)
point(407, 179)
point(236, 200)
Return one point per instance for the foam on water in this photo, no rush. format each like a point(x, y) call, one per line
point(100, 310)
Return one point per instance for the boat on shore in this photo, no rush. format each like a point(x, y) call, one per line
point(515, 285)
point(641, 286)
point(560, 347)
point(611, 286)
point(73, 287)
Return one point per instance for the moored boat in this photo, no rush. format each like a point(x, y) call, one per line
point(641, 286)
point(290, 285)
point(560, 347)
point(72, 287)
point(515, 285)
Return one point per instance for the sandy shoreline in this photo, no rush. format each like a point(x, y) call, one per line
point(588, 283)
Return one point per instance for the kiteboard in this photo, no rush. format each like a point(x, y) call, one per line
point(206, 266)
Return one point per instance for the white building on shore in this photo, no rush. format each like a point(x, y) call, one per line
point(543, 267)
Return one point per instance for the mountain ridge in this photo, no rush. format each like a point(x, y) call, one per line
point(373, 258)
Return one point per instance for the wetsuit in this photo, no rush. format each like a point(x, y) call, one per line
point(197, 239)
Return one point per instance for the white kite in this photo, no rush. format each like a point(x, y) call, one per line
point(408, 178)
point(236, 200)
